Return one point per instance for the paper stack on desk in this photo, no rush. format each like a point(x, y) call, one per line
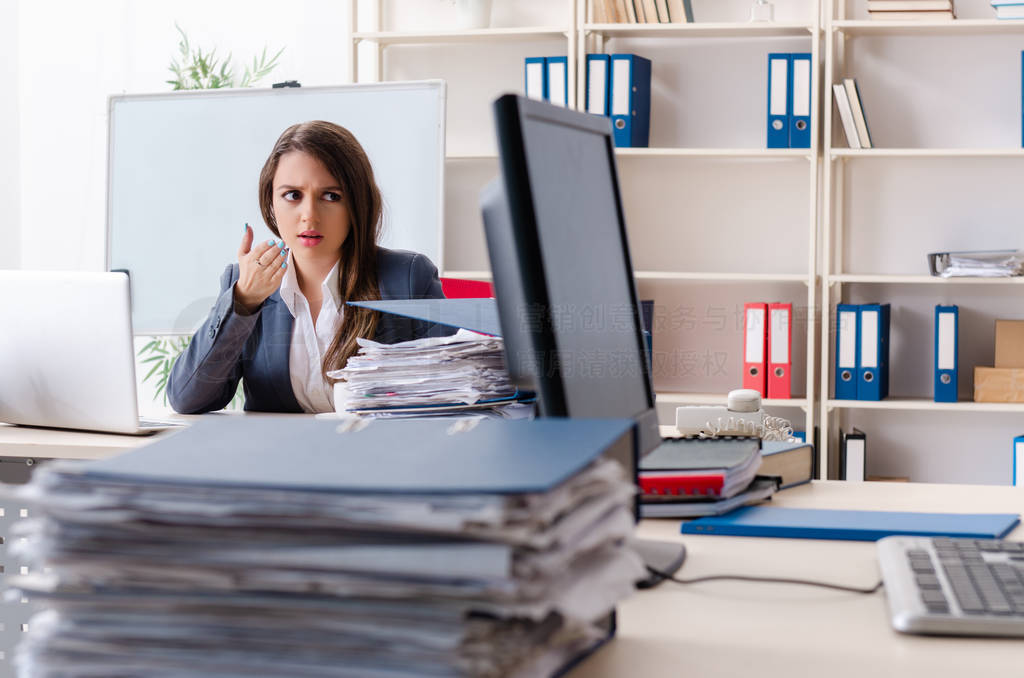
point(281, 547)
point(461, 373)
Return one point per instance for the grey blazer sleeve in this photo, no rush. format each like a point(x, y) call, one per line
point(205, 376)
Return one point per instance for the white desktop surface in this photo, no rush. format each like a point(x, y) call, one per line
point(731, 628)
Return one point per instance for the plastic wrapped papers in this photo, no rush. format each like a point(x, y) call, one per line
point(162, 573)
point(462, 373)
point(977, 264)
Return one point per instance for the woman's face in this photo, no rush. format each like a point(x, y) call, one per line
point(309, 208)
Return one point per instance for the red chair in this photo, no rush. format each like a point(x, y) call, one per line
point(459, 288)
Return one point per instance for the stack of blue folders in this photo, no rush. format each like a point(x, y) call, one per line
point(862, 351)
point(287, 547)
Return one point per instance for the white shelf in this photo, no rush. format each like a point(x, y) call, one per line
point(670, 398)
point(771, 153)
point(925, 405)
point(482, 35)
point(723, 277)
point(673, 275)
point(488, 155)
point(468, 275)
point(927, 153)
point(922, 280)
point(947, 27)
point(750, 153)
point(765, 29)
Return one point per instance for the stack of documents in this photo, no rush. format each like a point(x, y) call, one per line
point(280, 547)
point(455, 374)
point(978, 264)
point(686, 477)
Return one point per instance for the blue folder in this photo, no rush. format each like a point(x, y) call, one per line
point(947, 345)
point(780, 99)
point(793, 523)
point(873, 351)
point(630, 100)
point(418, 457)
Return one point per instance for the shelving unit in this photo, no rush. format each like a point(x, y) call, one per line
point(595, 38)
point(581, 37)
point(846, 276)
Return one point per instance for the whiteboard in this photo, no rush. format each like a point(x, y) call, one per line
point(183, 172)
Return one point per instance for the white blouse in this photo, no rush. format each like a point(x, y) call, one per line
point(309, 343)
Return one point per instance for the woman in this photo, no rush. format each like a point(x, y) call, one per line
point(281, 322)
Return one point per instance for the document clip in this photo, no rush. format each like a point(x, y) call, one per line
point(463, 425)
point(352, 424)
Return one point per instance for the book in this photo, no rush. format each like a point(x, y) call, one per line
point(680, 12)
point(846, 115)
point(792, 462)
point(698, 468)
point(793, 523)
point(912, 16)
point(762, 488)
point(859, 119)
point(1010, 12)
point(909, 5)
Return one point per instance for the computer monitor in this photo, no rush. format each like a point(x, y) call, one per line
point(563, 279)
point(563, 276)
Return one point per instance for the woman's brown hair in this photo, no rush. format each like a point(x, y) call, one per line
point(345, 159)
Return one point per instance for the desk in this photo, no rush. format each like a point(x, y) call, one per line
point(745, 628)
point(731, 628)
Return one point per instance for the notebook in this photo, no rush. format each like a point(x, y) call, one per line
point(703, 468)
point(66, 352)
point(794, 523)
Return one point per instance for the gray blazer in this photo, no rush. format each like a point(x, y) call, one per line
point(228, 347)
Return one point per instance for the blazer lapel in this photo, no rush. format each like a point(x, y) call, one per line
point(276, 349)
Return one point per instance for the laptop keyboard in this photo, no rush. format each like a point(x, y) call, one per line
point(954, 586)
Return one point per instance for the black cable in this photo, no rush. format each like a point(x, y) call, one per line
point(774, 580)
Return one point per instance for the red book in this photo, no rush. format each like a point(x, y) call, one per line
point(699, 468)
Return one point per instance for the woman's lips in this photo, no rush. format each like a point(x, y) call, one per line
point(310, 239)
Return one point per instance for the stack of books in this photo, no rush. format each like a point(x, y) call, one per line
point(281, 547)
point(458, 374)
point(1008, 9)
point(911, 10)
point(689, 477)
point(641, 11)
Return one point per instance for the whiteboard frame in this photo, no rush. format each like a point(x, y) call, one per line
point(279, 91)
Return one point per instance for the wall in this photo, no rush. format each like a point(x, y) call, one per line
point(68, 68)
point(10, 232)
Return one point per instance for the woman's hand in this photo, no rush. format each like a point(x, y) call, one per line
point(260, 270)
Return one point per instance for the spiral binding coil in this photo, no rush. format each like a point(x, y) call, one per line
point(770, 428)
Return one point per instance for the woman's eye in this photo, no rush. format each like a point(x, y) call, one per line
point(291, 195)
point(331, 196)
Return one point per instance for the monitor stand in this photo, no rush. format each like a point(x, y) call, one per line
point(664, 557)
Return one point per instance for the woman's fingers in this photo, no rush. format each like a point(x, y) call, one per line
point(246, 244)
point(265, 253)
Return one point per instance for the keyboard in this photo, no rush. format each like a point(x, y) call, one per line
point(954, 586)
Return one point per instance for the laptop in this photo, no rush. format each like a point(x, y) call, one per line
point(67, 358)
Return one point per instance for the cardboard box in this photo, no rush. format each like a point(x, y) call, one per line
point(998, 385)
point(1010, 343)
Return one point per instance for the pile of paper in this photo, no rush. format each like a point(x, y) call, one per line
point(461, 373)
point(977, 264)
point(159, 573)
